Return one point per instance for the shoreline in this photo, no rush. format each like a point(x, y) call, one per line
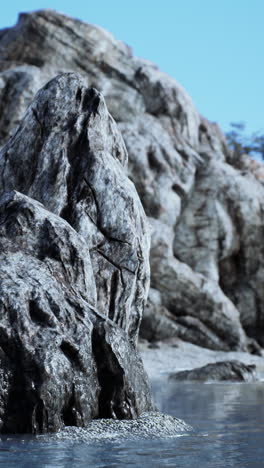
point(164, 358)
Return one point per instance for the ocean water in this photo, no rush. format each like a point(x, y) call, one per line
point(228, 421)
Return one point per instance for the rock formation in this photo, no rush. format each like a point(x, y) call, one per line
point(74, 246)
point(205, 209)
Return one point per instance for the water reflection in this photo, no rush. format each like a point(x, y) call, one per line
point(229, 422)
point(231, 414)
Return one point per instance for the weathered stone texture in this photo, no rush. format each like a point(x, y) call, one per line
point(205, 210)
point(74, 247)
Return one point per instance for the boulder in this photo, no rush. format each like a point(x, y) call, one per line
point(233, 371)
point(74, 246)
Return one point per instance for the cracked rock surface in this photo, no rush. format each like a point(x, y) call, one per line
point(205, 208)
point(74, 246)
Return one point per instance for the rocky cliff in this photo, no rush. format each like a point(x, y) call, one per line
point(205, 210)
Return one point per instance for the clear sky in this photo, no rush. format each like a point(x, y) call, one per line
point(214, 48)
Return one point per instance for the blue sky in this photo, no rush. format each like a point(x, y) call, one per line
point(214, 48)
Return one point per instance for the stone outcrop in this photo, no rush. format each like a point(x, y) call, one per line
point(232, 371)
point(205, 210)
point(74, 246)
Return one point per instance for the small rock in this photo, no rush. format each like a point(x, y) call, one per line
point(153, 346)
point(233, 371)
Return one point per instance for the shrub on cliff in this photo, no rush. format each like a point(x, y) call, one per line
point(241, 143)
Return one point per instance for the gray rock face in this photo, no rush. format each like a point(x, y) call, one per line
point(233, 371)
point(68, 155)
point(74, 269)
point(206, 211)
point(18, 85)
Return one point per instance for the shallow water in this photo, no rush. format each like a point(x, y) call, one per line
point(229, 432)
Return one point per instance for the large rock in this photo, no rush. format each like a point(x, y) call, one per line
point(68, 154)
point(74, 269)
point(206, 210)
